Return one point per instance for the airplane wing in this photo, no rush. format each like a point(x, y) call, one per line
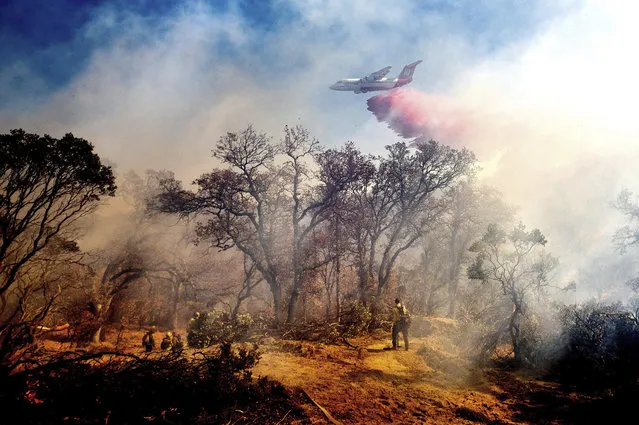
point(378, 75)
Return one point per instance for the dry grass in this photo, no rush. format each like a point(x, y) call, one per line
point(432, 383)
point(374, 385)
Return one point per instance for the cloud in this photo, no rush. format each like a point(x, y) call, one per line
point(557, 115)
point(544, 94)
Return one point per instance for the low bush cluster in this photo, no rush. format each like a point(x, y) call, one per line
point(601, 349)
point(354, 321)
point(95, 388)
point(218, 327)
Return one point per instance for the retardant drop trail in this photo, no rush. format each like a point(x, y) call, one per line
point(411, 113)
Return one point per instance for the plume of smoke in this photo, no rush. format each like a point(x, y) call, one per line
point(412, 113)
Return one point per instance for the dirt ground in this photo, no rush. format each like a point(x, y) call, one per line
point(378, 386)
point(431, 383)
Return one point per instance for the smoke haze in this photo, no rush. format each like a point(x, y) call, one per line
point(543, 94)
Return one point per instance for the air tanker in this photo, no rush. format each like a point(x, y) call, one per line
point(377, 80)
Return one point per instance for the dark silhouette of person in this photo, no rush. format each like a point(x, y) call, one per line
point(148, 341)
point(400, 323)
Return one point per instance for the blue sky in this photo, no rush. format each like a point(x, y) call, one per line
point(52, 42)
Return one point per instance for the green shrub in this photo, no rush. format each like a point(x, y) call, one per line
point(356, 320)
point(217, 327)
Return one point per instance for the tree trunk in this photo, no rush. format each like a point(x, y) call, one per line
point(452, 299)
point(363, 283)
point(430, 304)
point(328, 305)
point(384, 275)
point(452, 276)
point(304, 311)
point(236, 309)
point(513, 328)
point(96, 336)
point(277, 303)
point(173, 319)
point(297, 283)
point(297, 261)
point(292, 306)
point(101, 311)
point(338, 306)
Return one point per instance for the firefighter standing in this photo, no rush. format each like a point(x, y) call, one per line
point(400, 323)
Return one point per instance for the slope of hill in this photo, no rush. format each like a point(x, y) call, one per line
point(432, 383)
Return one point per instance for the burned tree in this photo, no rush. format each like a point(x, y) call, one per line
point(627, 236)
point(433, 269)
point(117, 273)
point(46, 186)
point(265, 210)
point(329, 246)
point(469, 210)
point(240, 206)
point(149, 257)
point(436, 281)
point(338, 171)
point(250, 281)
point(513, 261)
point(398, 202)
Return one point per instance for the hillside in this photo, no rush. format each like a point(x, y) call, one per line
point(432, 383)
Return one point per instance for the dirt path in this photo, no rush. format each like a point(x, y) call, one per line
point(377, 386)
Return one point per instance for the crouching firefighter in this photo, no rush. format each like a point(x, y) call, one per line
point(401, 323)
point(148, 341)
point(167, 341)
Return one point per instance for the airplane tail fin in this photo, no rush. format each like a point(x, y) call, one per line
point(408, 70)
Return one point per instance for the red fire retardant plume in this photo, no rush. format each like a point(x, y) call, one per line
point(411, 113)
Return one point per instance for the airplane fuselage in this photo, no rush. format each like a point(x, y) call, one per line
point(361, 85)
point(377, 81)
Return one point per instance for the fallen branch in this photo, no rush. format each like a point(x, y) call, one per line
point(356, 347)
point(282, 420)
point(44, 329)
point(324, 411)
